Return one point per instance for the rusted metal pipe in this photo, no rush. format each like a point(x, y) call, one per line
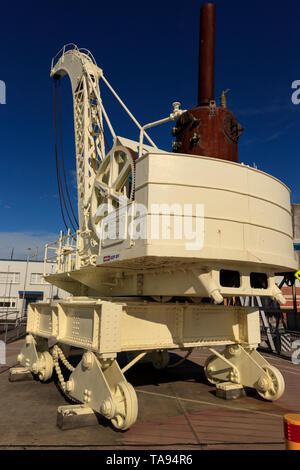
point(206, 77)
point(208, 130)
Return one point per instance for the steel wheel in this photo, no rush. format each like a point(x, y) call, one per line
point(126, 406)
point(271, 385)
point(45, 366)
point(160, 359)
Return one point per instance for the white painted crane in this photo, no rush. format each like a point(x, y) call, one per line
point(145, 295)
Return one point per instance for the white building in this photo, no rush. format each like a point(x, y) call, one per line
point(21, 283)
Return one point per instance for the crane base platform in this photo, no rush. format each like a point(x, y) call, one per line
point(102, 328)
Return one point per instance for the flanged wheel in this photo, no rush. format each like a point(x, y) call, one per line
point(270, 386)
point(160, 359)
point(126, 406)
point(208, 370)
point(45, 366)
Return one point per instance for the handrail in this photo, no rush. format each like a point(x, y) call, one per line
point(65, 245)
point(174, 115)
point(10, 312)
point(64, 49)
point(90, 56)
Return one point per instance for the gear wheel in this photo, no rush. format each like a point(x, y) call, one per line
point(114, 184)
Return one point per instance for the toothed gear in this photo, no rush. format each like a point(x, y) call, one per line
point(112, 182)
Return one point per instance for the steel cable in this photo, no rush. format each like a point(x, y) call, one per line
point(60, 187)
point(62, 155)
point(56, 157)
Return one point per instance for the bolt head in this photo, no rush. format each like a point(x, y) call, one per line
point(28, 339)
point(107, 408)
point(70, 385)
point(88, 360)
point(20, 357)
point(263, 384)
point(234, 376)
point(234, 350)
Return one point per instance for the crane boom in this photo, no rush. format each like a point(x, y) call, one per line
point(84, 75)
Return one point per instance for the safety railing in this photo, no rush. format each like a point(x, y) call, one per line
point(10, 313)
point(68, 47)
point(62, 252)
point(12, 325)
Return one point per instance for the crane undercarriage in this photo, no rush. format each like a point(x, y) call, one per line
point(101, 328)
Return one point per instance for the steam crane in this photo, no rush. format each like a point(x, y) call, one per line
point(139, 283)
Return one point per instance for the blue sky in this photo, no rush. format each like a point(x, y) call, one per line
point(149, 54)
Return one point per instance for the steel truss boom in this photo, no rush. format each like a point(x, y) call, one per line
point(89, 111)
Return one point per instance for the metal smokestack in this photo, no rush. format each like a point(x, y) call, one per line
point(208, 130)
point(206, 76)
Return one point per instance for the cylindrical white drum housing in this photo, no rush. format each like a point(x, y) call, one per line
point(246, 212)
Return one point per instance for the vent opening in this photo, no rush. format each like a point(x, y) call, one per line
point(259, 280)
point(229, 278)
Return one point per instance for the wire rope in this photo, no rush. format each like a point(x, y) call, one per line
point(62, 156)
point(62, 200)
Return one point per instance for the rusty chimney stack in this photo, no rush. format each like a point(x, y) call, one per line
point(206, 77)
point(208, 130)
